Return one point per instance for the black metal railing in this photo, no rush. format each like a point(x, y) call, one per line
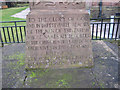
point(104, 29)
point(13, 33)
point(101, 29)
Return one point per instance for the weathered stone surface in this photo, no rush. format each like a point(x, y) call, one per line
point(58, 38)
point(104, 73)
point(56, 5)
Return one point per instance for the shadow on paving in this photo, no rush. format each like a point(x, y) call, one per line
point(104, 73)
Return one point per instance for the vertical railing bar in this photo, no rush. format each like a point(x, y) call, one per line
point(92, 31)
point(96, 31)
point(104, 30)
point(113, 31)
point(8, 34)
point(109, 30)
point(16, 32)
point(1, 39)
point(25, 33)
point(101, 28)
point(12, 34)
point(4, 34)
point(117, 30)
point(25, 30)
point(21, 34)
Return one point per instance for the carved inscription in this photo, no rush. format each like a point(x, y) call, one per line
point(60, 41)
point(57, 5)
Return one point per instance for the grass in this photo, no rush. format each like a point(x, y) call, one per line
point(7, 13)
point(6, 16)
point(22, 5)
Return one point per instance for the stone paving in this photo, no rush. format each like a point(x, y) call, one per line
point(104, 73)
point(0, 68)
point(22, 14)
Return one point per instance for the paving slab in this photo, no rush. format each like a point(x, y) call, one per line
point(22, 14)
point(0, 67)
point(104, 73)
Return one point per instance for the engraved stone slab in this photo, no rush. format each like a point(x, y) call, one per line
point(58, 39)
point(56, 5)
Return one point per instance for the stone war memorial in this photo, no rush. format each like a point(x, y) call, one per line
point(58, 35)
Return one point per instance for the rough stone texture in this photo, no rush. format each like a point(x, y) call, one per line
point(58, 36)
point(0, 67)
point(104, 73)
point(56, 5)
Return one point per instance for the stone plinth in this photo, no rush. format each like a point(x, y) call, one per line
point(58, 36)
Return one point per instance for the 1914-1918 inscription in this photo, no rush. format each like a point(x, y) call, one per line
point(58, 39)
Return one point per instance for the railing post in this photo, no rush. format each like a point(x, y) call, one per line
point(92, 31)
point(1, 39)
point(16, 32)
point(111, 27)
point(117, 31)
point(101, 28)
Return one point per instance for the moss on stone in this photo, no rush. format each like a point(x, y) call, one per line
point(19, 57)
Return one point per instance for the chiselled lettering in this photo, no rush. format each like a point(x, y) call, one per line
point(58, 37)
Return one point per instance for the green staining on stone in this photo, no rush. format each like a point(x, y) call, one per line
point(62, 84)
point(67, 77)
point(93, 83)
point(46, 70)
point(90, 60)
point(101, 85)
point(17, 60)
point(62, 81)
point(20, 63)
point(18, 56)
point(33, 75)
point(36, 79)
